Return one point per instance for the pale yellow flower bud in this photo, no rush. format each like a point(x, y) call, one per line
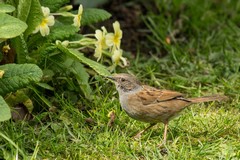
point(78, 17)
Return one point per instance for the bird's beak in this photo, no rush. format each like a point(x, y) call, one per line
point(111, 77)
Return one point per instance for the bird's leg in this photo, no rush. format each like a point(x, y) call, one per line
point(165, 133)
point(138, 135)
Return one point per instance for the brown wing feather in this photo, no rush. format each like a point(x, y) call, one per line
point(150, 95)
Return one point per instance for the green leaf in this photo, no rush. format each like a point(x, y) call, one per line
point(58, 32)
point(54, 5)
point(82, 77)
point(18, 76)
point(6, 8)
point(62, 32)
point(5, 112)
point(34, 18)
point(46, 86)
point(10, 26)
point(47, 50)
point(21, 49)
point(20, 97)
point(23, 9)
point(91, 4)
point(80, 73)
point(35, 41)
point(92, 15)
point(100, 69)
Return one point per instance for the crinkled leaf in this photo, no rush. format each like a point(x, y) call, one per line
point(62, 32)
point(58, 32)
point(10, 26)
point(5, 112)
point(34, 18)
point(54, 5)
point(6, 8)
point(82, 77)
point(100, 69)
point(21, 49)
point(50, 51)
point(35, 41)
point(18, 76)
point(92, 15)
point(1, 73)
point(23, 9)
point(80, 73)
point(93, 4)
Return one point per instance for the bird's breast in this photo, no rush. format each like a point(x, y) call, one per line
point(135, 109)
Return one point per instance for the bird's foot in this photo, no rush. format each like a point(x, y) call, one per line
point(137, 136)
point(163, 149)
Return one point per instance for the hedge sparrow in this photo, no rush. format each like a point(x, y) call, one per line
point(151, 105)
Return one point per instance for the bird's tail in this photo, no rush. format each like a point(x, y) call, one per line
point(208, 98)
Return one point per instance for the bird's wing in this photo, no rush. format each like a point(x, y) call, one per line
point(150, 95)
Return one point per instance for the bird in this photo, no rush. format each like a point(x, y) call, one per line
point(151, 105)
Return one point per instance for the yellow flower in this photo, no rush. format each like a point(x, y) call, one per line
point(114, 39)
point(101, 42)
point(78, 17)
point(117, 56)
point(47, 21)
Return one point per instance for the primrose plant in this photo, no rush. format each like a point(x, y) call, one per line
point(42, 43)
point(104, 42)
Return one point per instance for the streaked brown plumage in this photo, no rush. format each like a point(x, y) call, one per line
point(151, 105)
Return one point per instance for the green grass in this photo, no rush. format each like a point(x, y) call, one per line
point(203, 59)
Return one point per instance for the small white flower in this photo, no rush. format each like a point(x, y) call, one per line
point(77, 18)
point(47, 21)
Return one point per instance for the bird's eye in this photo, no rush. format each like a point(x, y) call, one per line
point(122, 80)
